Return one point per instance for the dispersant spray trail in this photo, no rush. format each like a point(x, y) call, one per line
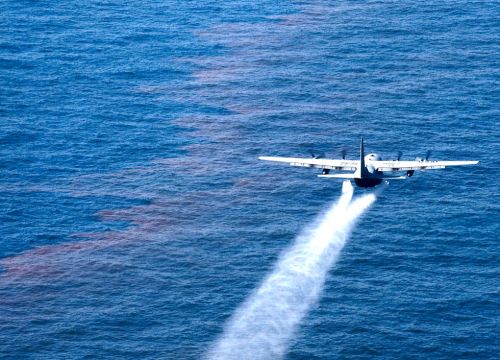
point(262, 327)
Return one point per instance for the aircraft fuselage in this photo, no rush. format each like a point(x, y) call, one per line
point(366, 175)
point(367, 182)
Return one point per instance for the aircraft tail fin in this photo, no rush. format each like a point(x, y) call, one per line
point(362, 158)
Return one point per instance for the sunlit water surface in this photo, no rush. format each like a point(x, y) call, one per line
point(136, 217)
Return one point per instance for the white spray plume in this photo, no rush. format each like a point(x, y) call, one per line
point(263, 326)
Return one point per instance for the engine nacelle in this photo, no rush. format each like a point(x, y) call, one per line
point(410, 173)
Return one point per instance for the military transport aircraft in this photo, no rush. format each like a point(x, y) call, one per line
point(369, 169)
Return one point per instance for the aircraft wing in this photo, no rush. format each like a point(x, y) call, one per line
point(332, 164)
point(394, 165)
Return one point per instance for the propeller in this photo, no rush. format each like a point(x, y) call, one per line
point(400, 153)
point(317, 155)
point(427, 156)
point(343, 152)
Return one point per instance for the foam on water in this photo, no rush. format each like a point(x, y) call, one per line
point(265, 323)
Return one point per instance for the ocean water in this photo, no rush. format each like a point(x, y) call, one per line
point(136, 217)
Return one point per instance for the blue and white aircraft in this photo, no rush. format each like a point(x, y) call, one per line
point(369, 169)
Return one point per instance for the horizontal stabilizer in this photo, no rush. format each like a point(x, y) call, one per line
point(338, 176)
point(395, 177)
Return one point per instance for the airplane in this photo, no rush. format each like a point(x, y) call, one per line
point(369, 169)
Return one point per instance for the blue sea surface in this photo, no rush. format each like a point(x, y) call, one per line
point(136, 217)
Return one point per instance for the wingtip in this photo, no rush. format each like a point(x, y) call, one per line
point(266, 158)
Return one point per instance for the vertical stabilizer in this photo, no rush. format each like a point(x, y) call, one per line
point(362, 154)
point(362, 168)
